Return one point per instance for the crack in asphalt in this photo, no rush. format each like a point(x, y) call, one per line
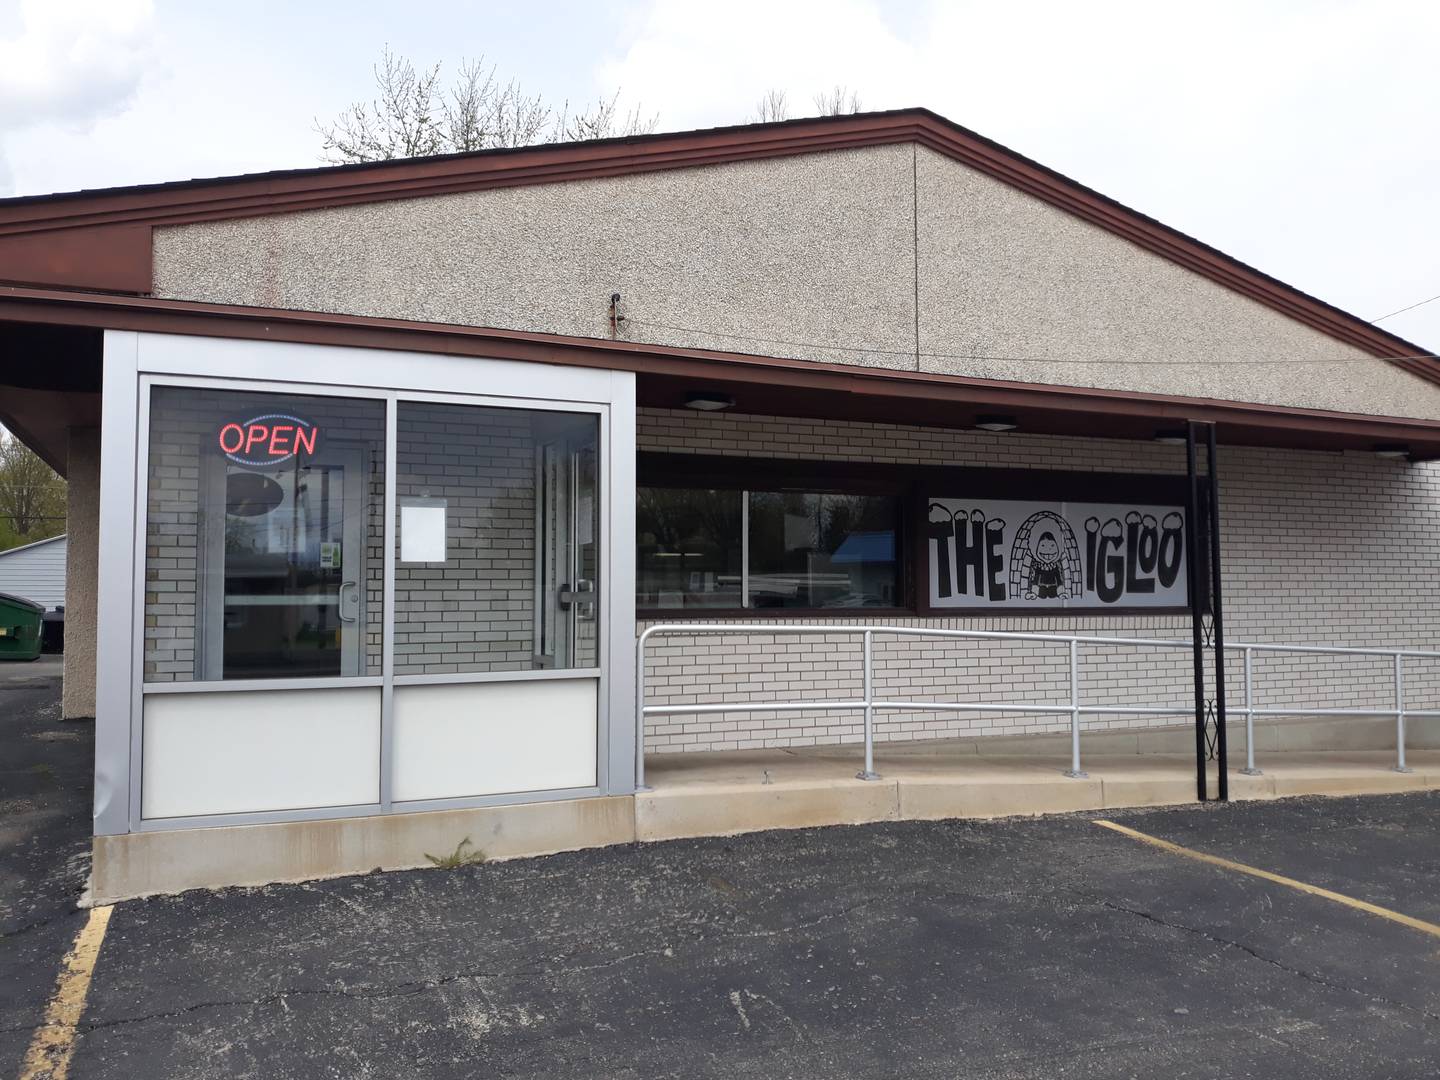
point(408, 988)
point(9, 935)
point(1249, 951)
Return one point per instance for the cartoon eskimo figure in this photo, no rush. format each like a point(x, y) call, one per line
point(1044, 559)
point(1047, 573)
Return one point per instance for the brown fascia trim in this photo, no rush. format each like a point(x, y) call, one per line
point(303, 189)
point(126, 265)
point(108, 258)
point(320, 328)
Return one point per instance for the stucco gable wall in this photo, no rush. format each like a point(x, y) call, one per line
point(814, 257)
point(1003, 274)
point(817, 248)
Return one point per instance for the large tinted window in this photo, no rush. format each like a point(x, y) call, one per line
point(690, 545)
point(822, 551)
point(701, 548)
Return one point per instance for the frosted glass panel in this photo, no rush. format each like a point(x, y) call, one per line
point(493, 738)
point(227, 753)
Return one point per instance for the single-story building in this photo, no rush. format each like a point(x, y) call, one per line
point(379, 473)
point(35, 572)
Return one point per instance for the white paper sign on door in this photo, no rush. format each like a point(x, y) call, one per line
point(422, 530)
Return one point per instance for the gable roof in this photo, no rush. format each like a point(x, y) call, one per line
point(100, 240)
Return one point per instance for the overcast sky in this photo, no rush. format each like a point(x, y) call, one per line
point(1298, 136)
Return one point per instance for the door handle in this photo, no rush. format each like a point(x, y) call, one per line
point(340, 600)
point(581, 596)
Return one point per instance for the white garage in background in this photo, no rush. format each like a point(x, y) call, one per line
point(36, 572)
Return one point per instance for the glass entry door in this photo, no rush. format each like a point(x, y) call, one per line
point(284, 583)
point(568, 513)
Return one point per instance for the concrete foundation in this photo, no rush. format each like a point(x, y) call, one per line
point(724, 794)
point(170, 861)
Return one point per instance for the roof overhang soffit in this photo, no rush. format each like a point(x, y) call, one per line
point(765, 384)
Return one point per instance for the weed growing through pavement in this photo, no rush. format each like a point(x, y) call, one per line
point(465, 854)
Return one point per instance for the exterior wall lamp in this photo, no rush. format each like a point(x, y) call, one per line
point(1391, 450)
point(996, 423)
point(708, 402)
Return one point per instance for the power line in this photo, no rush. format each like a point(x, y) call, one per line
point(1412, 307)
point(870, 350)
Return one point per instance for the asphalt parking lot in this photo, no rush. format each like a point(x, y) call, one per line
point(1045, 947)
point(45, 783)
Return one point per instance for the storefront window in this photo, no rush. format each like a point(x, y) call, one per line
point(800, 550)
point(497, 561)
point(690, 548)
point(822, 551)
point(264, 526)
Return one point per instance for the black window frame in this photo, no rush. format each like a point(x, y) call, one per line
point(914, 486)
point(698, 471)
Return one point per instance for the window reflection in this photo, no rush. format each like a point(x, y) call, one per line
point(264, 516)
point(822, 551)
point(689, 544)
point(803, 550)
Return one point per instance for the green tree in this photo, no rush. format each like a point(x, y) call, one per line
point(32, 495)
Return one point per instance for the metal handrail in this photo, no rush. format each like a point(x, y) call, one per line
point(869, 703)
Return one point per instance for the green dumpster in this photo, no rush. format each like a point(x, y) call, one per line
point(20, 622)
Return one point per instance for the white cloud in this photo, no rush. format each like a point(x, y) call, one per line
point(705, 65)
point(71, 63)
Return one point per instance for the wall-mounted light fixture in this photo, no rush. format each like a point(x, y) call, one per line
point(996, 423)
point(1170, 436)
point(1392, 450)
point(706, 401)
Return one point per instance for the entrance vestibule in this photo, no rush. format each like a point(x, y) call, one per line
point(358, 598)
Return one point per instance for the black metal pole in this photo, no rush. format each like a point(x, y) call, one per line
point(1196, 582)
point(1217, 623)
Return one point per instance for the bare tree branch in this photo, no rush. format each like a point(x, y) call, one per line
point(771, 108)
point(411, 116)
point(838, 101)
point(601, 121)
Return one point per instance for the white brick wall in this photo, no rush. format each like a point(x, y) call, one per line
point(474, 613)
point(1317, 548)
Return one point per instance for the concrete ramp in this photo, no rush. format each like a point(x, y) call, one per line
point(719, 794)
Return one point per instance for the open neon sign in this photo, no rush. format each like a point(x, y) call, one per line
point(270, 439)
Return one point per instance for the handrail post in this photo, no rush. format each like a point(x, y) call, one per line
point(640, 784)
point(1249, 769)
point(869, 773)
point(1400, 765)
point(1075, 772)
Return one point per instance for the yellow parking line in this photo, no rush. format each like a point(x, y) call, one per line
point(1279, 879)
point(49, 1055)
